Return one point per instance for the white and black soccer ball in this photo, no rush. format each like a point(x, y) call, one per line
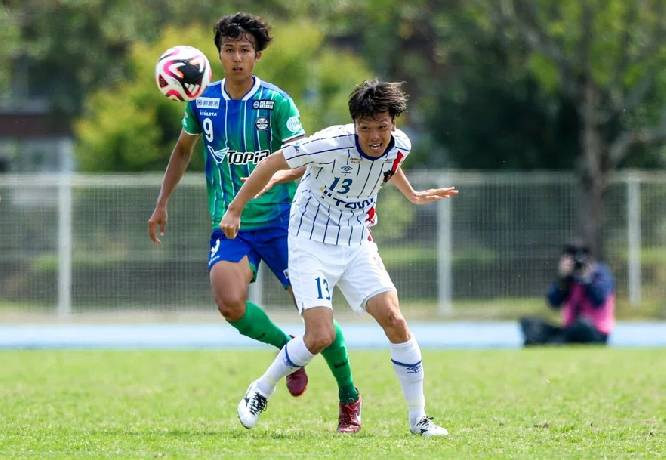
point(182, 73)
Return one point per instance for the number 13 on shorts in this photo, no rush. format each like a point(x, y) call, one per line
point(323, 291)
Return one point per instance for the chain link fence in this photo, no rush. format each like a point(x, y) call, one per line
point(79, 243)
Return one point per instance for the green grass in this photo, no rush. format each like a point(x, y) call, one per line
point(537, 403)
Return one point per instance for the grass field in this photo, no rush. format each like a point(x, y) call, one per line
point(537, 403)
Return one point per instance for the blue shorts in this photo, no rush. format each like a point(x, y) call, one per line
point(268, 244)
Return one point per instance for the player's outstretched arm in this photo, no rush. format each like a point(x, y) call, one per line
point(180, 158)
point(260, 176)
point(400, 180)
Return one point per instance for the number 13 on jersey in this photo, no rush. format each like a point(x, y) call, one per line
point(344, 186)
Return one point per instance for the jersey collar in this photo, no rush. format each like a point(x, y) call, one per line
point(360, 150)
point(248, 95)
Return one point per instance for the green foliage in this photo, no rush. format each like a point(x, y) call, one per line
point(66, 49)
point(9, 45)
point(545, 72)
point(505, 123)
point(318, 77)
point(616, 44)
point(69, 48)
point(538, 403)
point(395, 214)
point(130, 126)
point(481, 97)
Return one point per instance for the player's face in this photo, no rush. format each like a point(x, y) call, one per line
point(374, 133)
point(238, 57)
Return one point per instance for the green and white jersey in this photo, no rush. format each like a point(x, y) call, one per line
point(236, 135)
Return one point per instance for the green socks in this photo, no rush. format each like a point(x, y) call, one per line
point(256, 324)
point(336, 358)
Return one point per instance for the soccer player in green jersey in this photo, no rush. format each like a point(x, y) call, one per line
point(241, 120)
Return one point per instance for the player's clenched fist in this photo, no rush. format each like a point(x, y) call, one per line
point(230, 224)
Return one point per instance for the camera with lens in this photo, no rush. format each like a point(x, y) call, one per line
point(580, 255)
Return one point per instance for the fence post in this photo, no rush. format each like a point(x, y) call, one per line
point(444, 254)
point(64, 244)
point(634, 238)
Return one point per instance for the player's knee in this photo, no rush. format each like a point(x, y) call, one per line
point(329, 338)
point(318, 340)
point(231, 307)
point(395, 327)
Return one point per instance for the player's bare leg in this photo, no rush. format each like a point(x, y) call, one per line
point(406, 359)
point(319, 333)
point(230, 282)
point(335, 354)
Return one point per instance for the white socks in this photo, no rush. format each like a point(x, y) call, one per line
point(293, 356)
point(406, 359)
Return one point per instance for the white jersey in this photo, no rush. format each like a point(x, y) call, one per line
point(335, 201)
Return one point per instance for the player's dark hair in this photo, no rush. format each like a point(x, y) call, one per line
point(235, 25)
point(372, 97)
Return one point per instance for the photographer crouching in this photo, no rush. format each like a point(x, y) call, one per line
point(585, 293)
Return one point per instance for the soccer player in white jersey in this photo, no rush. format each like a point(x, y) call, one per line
point(330, 244)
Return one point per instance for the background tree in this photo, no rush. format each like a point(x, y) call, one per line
point(9, 37)
point(68, 48)
point(71, 48)
point(607, 58)
point(493, 85)
point(473, 102)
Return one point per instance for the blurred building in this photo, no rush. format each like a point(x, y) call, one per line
point(32, 138)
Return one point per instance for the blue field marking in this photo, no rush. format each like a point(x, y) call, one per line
point(175, 336)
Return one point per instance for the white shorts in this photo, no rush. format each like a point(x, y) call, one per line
point(316, 268)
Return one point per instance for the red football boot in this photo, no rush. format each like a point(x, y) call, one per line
point(349, 420)
point(297, 382)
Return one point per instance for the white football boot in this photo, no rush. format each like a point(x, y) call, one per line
point(426, 427)
point(251, 406)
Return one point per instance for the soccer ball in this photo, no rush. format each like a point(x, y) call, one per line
point(182, 73)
